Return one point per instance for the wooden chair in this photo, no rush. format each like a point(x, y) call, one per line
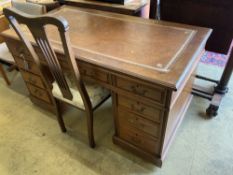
point(85, 96)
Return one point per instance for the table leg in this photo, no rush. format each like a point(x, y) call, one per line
point(221, 88)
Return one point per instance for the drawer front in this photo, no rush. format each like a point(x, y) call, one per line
point(142, 141)
point(154, 93)
point(18, 49)
point(27, 65)
point(149, 112)
point(93, 72)
point(128, 119)
point(39, 93)
point(33, 79)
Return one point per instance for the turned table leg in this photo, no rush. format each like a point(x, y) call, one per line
point(221, 89)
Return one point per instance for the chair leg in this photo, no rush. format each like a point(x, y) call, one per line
point(4, 75)
point(59, 116)
point(90, 128)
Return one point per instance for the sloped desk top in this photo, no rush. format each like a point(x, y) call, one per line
point(155, 51)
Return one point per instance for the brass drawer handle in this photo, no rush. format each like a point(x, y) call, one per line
point(138, 90)
point(37, 92)
point(137, 123)
point(138, 108)
point(31, 80)
point(133, 120)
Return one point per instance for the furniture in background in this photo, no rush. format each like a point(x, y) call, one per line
point(48, 4)
point(133, 8)
point(29, 8)
point(214, 14)
point(85, 96)
point(151, 79)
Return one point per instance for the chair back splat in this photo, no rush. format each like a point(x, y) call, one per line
point(36, 25)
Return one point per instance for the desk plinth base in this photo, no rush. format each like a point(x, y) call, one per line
point(154, 159)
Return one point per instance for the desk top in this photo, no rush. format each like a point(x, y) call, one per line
point(158, 52)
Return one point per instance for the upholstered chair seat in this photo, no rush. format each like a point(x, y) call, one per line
point(96, 94)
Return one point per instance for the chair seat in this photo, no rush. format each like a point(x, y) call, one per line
point(96, 94)
point(5, 54)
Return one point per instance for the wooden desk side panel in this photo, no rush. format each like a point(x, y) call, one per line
point(176, 115)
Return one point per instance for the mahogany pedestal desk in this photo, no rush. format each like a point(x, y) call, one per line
point(149, 66)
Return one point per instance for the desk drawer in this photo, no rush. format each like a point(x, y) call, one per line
point(137, 138)
point(127, 119)
point(27, 65)
point(39, 93)
point(150, 112)
point(18, 49)
point(93, 72)
point(33, 79)
point(154, 93)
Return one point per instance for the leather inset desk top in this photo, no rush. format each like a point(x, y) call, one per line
point(151, 46)
point(156, 51)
